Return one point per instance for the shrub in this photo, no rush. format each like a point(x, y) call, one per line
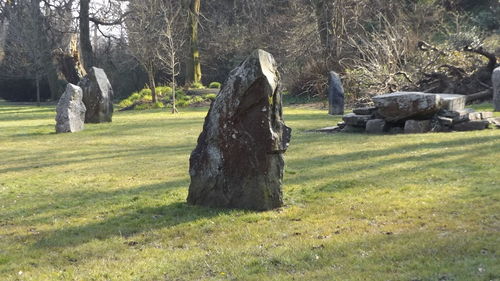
point(209, 97)
point(214, 85)
point(183, 103)
point(125, 103)
point(142, 106)
point(147, 98)
point(163, 91)
point(197, 99)
point(197, 85)
point(145, 92)
point(134, 97)
point(158, 104)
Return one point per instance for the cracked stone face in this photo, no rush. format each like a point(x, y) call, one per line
point(97, 96)
point(238, 161)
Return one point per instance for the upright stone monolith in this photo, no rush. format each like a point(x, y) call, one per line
point(70, 110)
point(238, 162)
point(97, 96)
point(495, 79)
point(335, 94)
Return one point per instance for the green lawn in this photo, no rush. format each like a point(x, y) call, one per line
point(108, 203)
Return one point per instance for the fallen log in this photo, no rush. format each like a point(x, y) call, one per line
point(486, 94)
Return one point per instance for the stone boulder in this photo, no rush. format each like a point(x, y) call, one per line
point(335, 93)
point(97, 96)
point(238, 161)
point(407, 105)
point(356, 120)
point(471, 125)
point(70, 111)
point(495, 79)
point(376, 126)
point(417, 126)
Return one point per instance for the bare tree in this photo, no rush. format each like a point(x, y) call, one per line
point(153, 29)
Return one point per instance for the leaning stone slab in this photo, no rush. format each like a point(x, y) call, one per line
point(352, 129)
point(70, 111)
point(471, 125)
point(417, 126)
point(453, 102)
point(335, 94)
point(376, 126)
point(407, 105)
point(238, 161)
point(495, 121)
point(495, 79)
point(356, 120)
point(97, 96)
point(333, 129)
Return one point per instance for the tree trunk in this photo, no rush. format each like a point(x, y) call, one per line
point(85, 44)
point(152, 85)
point(324, 16)
point(172, 65)
point(37, 89)
point(194, 64)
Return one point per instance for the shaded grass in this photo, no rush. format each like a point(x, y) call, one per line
point(108, 204)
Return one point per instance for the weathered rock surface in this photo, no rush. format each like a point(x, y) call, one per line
point(376, 126)
point(97, 96)
point(356, 120)
point(70, 111)
point(495, 79)
point(417, 126)
point(471, 125)
point(238, 161)
point(453, 102)
point(407, 105)
point(335, 94)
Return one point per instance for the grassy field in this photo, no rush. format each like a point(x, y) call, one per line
point(108, 203)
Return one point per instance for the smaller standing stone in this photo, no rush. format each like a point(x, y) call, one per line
point(495, 79)
point(376, 126)
point(417, 126)
point(335, 94)
point(70, 111)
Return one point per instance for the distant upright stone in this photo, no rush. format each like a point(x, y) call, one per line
point(417, 126)
point(70, 110)
point(495, 79)
point(335, 94)
point(97, 96)
point(238, 161)
point(407, 105)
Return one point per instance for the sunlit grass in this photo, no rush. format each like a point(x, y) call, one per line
point(108, 203)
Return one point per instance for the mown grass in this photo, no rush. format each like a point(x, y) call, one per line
point(108, 203)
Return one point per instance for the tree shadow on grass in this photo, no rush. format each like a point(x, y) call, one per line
point(127, 224)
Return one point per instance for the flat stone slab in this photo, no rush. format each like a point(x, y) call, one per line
point(407, 105)
point(471, 125)
point(333, 129)
point(365, 110)
point(453, 102)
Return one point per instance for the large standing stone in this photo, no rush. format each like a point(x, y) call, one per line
point(97, 96)
point(238, 162)
point(70, 110)
point(407, 105)
point(495, 79)
point(335, 94)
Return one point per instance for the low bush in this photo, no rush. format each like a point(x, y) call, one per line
point(197, 85)
point(210, 97)
point(214, 85)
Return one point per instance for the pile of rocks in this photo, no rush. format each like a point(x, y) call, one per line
point(416, 112)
